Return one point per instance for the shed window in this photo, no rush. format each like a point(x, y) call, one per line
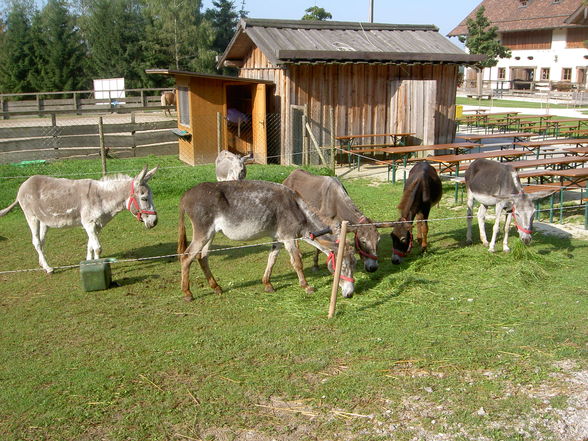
point(184, 105)
point(566, 74)
point(501, 73)
point(544, 73)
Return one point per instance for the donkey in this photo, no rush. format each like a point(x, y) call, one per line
point(57, 202)
point(327, 196)
point(495, 183)
point(422, 190)
point(248, 210)
point(168, 98)
point(230, 167)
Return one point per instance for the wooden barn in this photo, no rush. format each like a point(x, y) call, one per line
point(344, 78)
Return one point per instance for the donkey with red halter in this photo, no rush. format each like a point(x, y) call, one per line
point(422, 190)
point(327, 196)
point(494, 183)
point(57, 202)
point(247, 210)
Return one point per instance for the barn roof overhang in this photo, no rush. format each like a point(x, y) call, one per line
point(224, 78)
point(299, 41)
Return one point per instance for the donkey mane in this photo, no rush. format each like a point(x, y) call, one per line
point(115, 177)
point(409, 196)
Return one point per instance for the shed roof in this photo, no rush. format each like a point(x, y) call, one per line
point(512, 15)
point(300, 41)
point(224, 78)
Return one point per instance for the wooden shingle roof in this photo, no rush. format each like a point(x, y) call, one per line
point(302, 41)
point(517, 15)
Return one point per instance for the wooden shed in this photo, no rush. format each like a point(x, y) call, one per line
point(348, 78)
point(205, 104)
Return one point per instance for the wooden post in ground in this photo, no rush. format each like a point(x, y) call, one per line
point(102, 146)
point(338, 264)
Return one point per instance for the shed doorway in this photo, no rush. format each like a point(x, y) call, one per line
point(412, 109)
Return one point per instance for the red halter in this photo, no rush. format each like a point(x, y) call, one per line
point(400, 253)
point(363, 220)
point(331, 259)
point(133, 201)
point(521, 229)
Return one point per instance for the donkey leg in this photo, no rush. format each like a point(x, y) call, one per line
point(296, 261)
point(505, 247)
point(271, 260)
point(470, 203)
point(202, 258)
point(38, 231)
point(93, 248)
point(481, 217)
point(315, 259)
point(499, 207)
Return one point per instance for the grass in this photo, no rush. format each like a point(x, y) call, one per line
point(508, 103)
point(418, 351)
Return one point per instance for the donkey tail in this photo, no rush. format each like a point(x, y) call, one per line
point(182, 242)
point(9, 208)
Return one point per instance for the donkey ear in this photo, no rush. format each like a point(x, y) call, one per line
point(141, 174)
point(150, 173)
point(542, 194)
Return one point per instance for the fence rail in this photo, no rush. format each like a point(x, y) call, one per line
point(83, 140)
point(78, 102)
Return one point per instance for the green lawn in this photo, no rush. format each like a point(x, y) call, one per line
point(459, 341)
point(508, 103)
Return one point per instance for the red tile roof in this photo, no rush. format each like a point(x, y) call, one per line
point(510, 15)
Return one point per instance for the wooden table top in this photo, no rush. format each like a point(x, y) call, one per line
point(577, 150)
point(373, 135)
point(548, 161)
point(472, 156)
point(477, 137)
point(544, 142)
point(423, 148)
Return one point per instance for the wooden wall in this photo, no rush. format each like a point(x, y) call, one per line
point(357, 94)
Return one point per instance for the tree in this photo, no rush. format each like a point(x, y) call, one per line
point(58, 50)
point(316, 13)
point(16, 50)
point(483, 39)
point(115, 31)
point(179, 29)
point(224, 20)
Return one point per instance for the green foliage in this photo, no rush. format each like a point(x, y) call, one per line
point(317, 13)
point(16, 48)
point(482, 38)
point(416, 353)
point(224, 19)
point(58, 50)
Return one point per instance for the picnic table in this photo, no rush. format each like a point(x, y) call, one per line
point(577, 150)
point(479, 138)
point(483, 119)
point(570, 123)
point(536, 145)
point(349, 143)
point(406, 151)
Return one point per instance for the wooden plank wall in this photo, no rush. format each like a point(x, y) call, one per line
point(357, 93)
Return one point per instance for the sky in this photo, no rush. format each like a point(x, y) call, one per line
point(445, 15)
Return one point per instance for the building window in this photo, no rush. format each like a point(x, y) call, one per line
point(501, 73)
point(566, 74)
point(523, 3)
point(184, 105)
point(545, 73)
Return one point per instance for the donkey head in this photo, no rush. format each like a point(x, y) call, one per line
point(346, 282)
point(366, 239)
point(401, 240)
point(141, 199)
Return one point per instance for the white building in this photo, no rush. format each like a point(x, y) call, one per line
point(548, 40)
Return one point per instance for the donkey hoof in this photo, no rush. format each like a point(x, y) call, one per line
point(269, 288)
point(218, 290)
point(49, 270)
point(469, 241)
point(309, 289)
point(188, 298)
point(506, 249)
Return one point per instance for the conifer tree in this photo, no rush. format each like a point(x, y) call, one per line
point(16, 49)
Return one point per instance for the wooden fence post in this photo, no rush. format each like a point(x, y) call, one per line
point(337, 274)
point(219, 132)
point(333, 151)
point(102, 146)
point(133, 131)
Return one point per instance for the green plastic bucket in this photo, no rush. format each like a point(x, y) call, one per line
point(95, 274)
